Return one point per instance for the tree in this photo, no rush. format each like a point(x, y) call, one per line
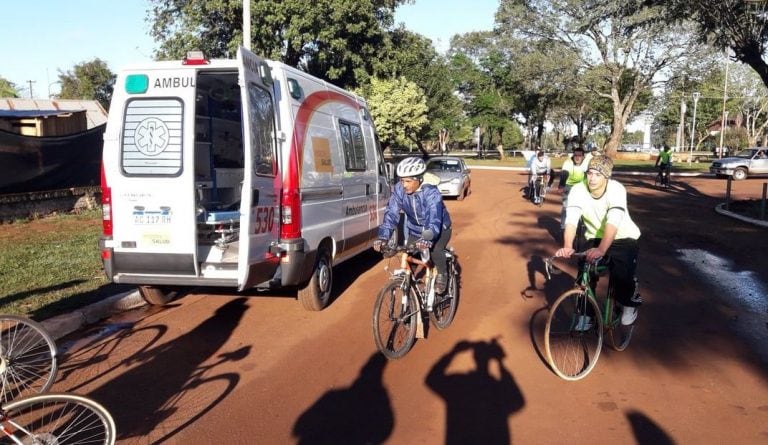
point(399, 109)
point(413, 56)
point(610, 41)
point(8, 88)
point(88, 80)
point(336, 40)
point(738, 25)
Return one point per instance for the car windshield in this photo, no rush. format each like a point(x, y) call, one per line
point(748, 153)
point(445, 166)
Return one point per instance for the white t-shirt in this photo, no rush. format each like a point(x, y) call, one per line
point(595, 211)
point(540, 167)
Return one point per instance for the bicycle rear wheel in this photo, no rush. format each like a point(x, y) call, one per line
point(28, 360)
point(619, 335)
point(61, 419)
point(394, 320)
point(444, 308)
point(572, 341)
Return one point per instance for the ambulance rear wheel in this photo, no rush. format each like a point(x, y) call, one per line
point(317, 293)
point(156, 296)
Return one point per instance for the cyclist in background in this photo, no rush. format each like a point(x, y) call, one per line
point(601, 204)
point(664, 163)
point(571, 174)
point(540, 166)
point(424, 212)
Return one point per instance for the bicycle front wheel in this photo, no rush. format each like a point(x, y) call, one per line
point(27, 358)
point(62, 419)
point(573, 335)
point(444, 309)
point(394, 320)
point(619, 335)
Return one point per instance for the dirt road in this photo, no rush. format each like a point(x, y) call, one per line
point(228, 369)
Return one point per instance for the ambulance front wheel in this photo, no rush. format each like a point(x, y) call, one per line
point(317, 293)
point(157, 296)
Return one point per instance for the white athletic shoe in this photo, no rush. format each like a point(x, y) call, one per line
point(583, 323)
point(628, 315)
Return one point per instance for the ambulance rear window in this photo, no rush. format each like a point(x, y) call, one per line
point(152, 137)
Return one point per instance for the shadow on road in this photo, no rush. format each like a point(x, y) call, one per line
point(646, 431)
point(478, 402)
point(171, 388)
point(358, 414)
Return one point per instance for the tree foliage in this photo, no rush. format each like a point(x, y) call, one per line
point(399, 109)
point(8, 88)
point(88, 80)
point(740, 26)
point(413, 56)
point(336, 40)
point(611, 42)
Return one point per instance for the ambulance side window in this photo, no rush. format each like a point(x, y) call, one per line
point(262, 118)
point(354, 148)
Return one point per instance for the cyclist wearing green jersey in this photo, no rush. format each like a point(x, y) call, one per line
point(664, 161)
point(571, 174)
point(601, 204)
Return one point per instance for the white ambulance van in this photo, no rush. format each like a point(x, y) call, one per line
point(241, 173)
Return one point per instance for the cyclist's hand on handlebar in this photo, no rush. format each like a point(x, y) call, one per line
point(423, 244)
point(564, 252)
point(594, 254)
point(378, 243)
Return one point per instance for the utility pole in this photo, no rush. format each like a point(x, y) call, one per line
point(30, 88)
point(725, 96)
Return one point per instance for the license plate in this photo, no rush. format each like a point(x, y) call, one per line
point(151, 219)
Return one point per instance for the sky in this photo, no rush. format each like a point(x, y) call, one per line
point(42, 37)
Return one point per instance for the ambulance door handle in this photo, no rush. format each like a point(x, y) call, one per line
point(255, 198)
point(367, 189)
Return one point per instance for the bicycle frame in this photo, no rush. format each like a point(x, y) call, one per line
point(410, 266)
point(5, 421)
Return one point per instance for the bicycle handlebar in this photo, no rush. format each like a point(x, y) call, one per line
point(548, 262)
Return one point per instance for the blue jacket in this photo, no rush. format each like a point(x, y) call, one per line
point(424, 209)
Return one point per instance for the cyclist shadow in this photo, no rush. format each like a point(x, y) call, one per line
point(172, 378)
point(480, 401)
point(361, 413)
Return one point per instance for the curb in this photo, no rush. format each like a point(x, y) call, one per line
point(64, 324)
point(721, 210)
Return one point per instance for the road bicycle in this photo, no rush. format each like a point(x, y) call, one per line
point(573, 334)
point(55, 418)
point(28, 358)
point(539, 190)
point(662, 178)
point(409, 298)
point(30, 415)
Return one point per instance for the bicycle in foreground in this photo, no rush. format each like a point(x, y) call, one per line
point(409, 298)
point(576, 325)
point(30, 415)
point(662, 178)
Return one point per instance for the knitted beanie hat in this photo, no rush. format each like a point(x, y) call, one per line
point(602, 164)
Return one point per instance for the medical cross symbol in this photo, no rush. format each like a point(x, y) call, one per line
point(151, 136)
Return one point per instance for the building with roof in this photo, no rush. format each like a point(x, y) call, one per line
point(50, 117)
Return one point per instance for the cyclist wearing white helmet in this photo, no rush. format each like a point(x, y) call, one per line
point(426, 218)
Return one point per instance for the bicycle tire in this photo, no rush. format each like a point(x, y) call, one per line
point(444, 308)
point(619, 335)
point(28, 358)
point(573, 353)
point(394, 320)
point(63, 419)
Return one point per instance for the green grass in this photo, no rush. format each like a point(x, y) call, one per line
point(620, 164)
point(52, 265)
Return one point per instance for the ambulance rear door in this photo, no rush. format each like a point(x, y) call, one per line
point(259, 207)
